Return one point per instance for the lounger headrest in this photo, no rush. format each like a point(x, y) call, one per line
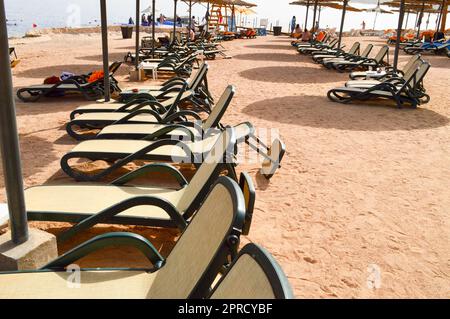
point(254, 275)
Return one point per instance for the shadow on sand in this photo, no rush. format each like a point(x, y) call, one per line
point(44, 72)
point(36, 154)
point(292, 75)
point(99, 58)
point(271, 46)
point(280, 57)
point(319, 112)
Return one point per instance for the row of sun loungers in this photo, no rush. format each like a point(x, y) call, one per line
point(153, 128)
point(371, 79)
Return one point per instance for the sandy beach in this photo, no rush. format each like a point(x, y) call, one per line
point(361, 187)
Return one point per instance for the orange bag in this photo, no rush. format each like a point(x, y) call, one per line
point(96, 75)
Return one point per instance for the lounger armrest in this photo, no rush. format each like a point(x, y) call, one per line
point(137, 113)
point(107, 240)
point(154, 105)
point(152, 168)
point(170, 128)
point(173, 117)
point(109, 213)
point(173, 82)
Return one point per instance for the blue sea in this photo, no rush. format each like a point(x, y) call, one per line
point(22, 15)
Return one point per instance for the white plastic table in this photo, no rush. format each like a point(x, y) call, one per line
point(150, 66)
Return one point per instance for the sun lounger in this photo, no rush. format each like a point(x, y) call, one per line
point(436, 47)
point(319, 47)
point(198, 84)
point(189, 130)
point(145, 112)
point(319, 56)
point(90, 91)
point(365, 64)
point(398, 90)
point(74, 85)
point(122, 203)
point(188, 272)
point(386, 72)
point(410, 71)
point(255, 274)
point(328, 62)
point(121, 152)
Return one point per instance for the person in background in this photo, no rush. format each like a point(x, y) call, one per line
point(162, 19)
point(363, 25)
point(130, 21)
point(194, 24)
point(191, 34)
point(144, 20)
point(179, 21)
point(293, 24)
point(306, 36)
point(150, 19)
point(297, 32)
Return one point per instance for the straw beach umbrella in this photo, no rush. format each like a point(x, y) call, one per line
point(378, 10)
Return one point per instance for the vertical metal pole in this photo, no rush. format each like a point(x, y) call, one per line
point(407, 20)
point(306, 17)
point(399, 33)
point(314, 16)
point(153, 28)
point(344, 9)
point(419, 21)
point(318, 19)
point(174, 21)
point(428, 20)
point(9, 140)
point(104, 20)
point(190, 20)
point(232, 19)
point(138, 26)
point(443, 20)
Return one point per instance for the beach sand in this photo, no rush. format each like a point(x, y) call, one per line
point(362, 188)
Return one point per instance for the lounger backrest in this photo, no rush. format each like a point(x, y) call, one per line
point(381, 54)
point(197, 81)
point(354, 48)
point(254, 275)
point(201, 250)
point(411, 63)
point(420, 74)
point(412, 70)
point(207, 171)
point(367, 51)
point(219, 109)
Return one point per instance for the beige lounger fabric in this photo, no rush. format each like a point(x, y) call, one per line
point(94, 285)
point(91, 199)
point(132, 146)
point(115, 116)
point(246, 280)
point(196, 248)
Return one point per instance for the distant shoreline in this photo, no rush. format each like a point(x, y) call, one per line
point(88, 29)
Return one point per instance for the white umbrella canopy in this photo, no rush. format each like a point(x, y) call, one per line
point(149, 10)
